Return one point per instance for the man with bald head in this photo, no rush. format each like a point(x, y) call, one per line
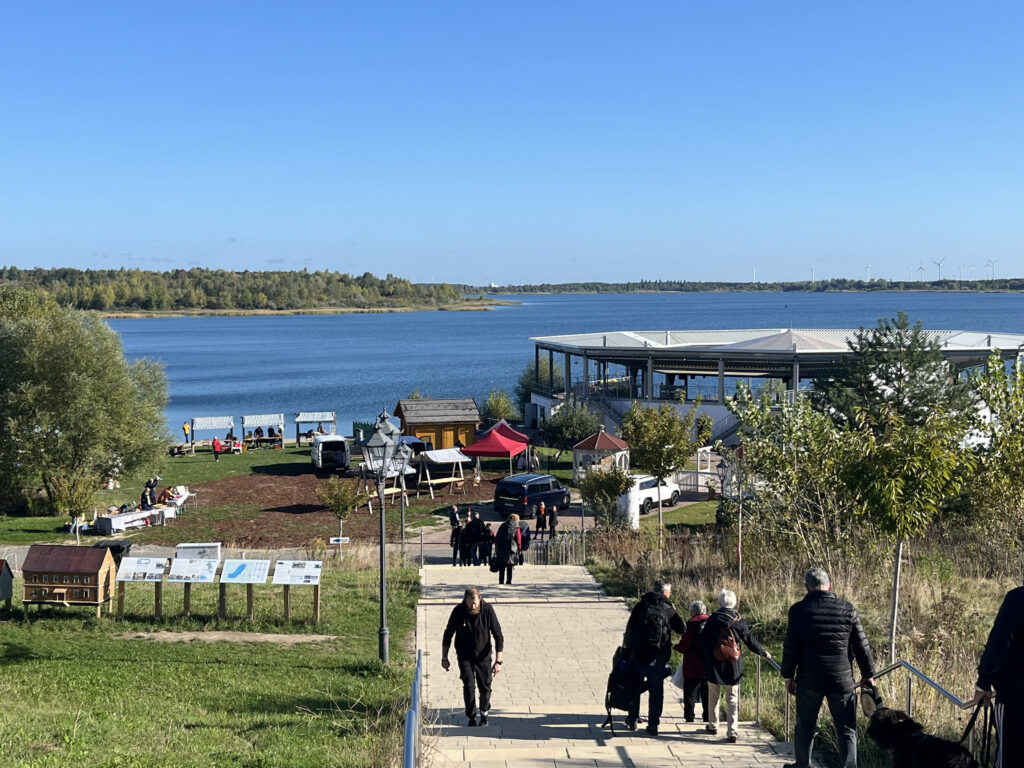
point(471, 624)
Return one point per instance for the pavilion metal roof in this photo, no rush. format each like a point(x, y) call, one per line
point(756, 341)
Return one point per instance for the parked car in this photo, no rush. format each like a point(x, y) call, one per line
point(524, 493)
point(330, 452)
point(643, 496)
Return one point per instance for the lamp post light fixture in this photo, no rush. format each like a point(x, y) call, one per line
point(380, 451)
point(402, 456)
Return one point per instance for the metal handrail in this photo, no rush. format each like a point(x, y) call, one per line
point(757, 692)
point(413, 719)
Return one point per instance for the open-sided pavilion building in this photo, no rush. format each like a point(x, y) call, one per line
point(611, 369)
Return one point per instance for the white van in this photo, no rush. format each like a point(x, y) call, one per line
point(642, 497)
point(330, 452)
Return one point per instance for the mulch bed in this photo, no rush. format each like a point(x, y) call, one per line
point(289, 515)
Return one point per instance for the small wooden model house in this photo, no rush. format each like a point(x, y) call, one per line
point(56, 574)
point(442, 422)
point(6, 584)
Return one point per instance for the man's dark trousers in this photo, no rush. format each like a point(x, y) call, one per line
point(843, 707)
point(473, 676)
point(654, 674)
point(691, 688)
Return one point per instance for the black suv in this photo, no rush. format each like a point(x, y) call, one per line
point(524, 493)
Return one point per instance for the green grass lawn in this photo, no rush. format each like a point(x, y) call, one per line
point(77, 692)
point(691, 516)
point(32, 530)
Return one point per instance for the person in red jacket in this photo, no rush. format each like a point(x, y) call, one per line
point(217, 447)
point(695, 681)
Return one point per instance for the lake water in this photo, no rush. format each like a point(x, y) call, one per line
point(357, 364)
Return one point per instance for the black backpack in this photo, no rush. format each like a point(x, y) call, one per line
point(624, 686)
point(653, 632)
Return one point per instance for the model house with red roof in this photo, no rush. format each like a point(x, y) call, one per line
point(599, 451)
point(56, 574)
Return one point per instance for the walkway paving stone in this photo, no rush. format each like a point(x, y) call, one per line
point(561, 630)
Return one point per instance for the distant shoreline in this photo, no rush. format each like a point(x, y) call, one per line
point(473, 305)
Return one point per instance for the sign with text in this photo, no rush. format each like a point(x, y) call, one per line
point(245, 572)
point(297, 572)
point(339, 539)
point(189, 570)
point(142, 569)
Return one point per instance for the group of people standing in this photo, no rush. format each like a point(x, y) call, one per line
point(824, 638)
point(471, 543)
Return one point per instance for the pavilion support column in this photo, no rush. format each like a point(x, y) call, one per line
point(586, 378)
point(551, 372)
point(721, 380)
point(536, 365)
point(796, 377)
point(568, 375)
point(649, 379)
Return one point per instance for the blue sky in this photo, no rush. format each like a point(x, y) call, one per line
point(517, 142)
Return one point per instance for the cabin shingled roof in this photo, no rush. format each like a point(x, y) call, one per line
point(63, 558)
point(453, 410)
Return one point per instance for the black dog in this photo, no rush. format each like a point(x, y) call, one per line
point(911, 747)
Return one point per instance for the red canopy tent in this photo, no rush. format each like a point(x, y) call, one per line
point(494, 443)
point(502, 428)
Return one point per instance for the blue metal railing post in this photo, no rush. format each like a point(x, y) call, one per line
point(411, 752)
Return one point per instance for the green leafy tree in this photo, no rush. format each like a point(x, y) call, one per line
point(342, 497)
point(73, 410)
point(905, 476)
point(568, 425)
point(661, 442)
point(893, 366)
point(601, 489)
point(498, 405)
point(526, 384)
point(795, 460)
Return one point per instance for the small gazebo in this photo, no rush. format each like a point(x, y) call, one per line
point(600, 450)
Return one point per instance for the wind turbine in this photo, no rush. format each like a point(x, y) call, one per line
point(971, 268)
point(868, 273)
point(991, 264)
point(939, 265)
point(920, 272)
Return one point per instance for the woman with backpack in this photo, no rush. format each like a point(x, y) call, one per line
point(720, 648)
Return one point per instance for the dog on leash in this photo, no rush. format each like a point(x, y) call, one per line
point(911, 747)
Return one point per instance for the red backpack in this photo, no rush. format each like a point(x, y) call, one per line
point(728, 647)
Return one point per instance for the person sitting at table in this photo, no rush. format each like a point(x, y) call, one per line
point(271, 432)
point(320, 429)
point(258, 432)
point(144, 501)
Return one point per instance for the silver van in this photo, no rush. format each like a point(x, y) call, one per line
point(330, 452)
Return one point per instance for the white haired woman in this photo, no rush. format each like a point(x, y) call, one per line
point(722, 664)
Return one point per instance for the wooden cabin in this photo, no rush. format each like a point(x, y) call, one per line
point(442, 422)
point(6, 584)
point(56, 574)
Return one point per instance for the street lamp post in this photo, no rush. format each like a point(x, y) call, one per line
point(404, 453)
point(380, 451)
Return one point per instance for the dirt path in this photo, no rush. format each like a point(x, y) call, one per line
point(227, 637)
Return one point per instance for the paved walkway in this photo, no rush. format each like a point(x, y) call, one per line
point(547, 707)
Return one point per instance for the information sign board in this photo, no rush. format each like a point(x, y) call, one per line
point(298, 572)
point(187, 569)
point(142, 569)
point(245, 572)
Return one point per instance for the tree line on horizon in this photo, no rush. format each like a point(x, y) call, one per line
point(805, 286)
point(128, 290)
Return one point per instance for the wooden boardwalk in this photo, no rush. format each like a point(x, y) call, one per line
point(547, 707)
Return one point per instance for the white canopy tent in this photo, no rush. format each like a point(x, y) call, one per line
point(210, 424)
point(315, 417)
point(451, 457)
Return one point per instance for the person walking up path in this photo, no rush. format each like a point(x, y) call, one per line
point(548, 715)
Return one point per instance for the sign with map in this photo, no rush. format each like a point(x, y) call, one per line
point(298, 572)
point(142, 569)
point(186, 569)
point(245, 572)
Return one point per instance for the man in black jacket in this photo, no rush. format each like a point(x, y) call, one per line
point(823, 637)
point(1002, 666)
point(471, 624)
point(649, 640)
